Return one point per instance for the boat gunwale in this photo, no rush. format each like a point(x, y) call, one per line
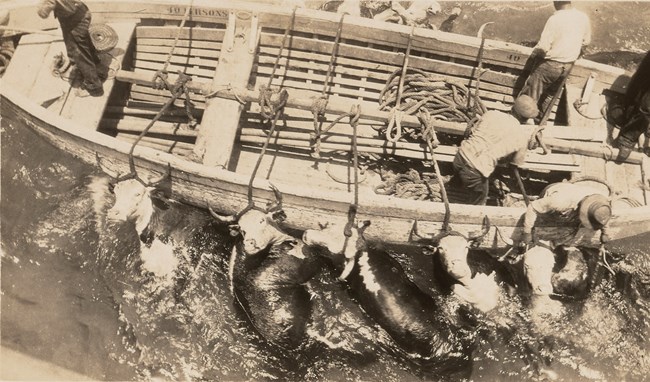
point(372, 206)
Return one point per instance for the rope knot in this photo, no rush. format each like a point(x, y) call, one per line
point(428, 132)
point(272, 101)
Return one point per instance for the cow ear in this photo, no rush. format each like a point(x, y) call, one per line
point(160, 201)
point(429, 250)
point(364, 224)
point(279, 216)
point(234, 230)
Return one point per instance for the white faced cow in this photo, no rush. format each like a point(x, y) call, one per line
point(268, 270)
point(452, 248)
point(134, 202)
point(378, 282)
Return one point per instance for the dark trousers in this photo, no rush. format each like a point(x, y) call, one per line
point(544, 81)
point(630, 132)
point(475, 183)
point(79, 46)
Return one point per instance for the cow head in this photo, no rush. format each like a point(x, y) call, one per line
point(133, 197)
point(453, 247)
point(341, 243)
point(258, 228)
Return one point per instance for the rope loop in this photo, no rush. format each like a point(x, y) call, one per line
point(394, 129)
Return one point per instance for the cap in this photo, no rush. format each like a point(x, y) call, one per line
point(595, 211)
point(525, 106)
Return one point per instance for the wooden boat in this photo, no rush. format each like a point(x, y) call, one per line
point(231, 50)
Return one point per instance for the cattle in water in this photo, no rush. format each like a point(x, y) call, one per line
point(545, 280)
point(411, 317)
point(137, 200)
point(268, 270)
point(450, 250)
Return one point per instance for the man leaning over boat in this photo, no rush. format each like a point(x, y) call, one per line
point(74, 18)
point(577, 204)
point(496, 136)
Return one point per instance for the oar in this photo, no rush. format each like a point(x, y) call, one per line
point(30, 31)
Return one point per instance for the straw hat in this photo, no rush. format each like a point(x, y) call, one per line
point(595, 211)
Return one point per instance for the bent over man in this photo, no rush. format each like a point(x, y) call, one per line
point(497, 135)
point(580, 204)
point(564, 36)
point(74, 18)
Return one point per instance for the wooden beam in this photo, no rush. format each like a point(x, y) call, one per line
point(304, 99)
point(215, 142)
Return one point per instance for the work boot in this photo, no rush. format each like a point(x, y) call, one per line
point(84, 91)
point(623, 153)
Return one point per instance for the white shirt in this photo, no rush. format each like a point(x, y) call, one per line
point(563, 198)
point(564, 34)
point(497, 136)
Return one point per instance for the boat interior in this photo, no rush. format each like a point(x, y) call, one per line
point(241, 55)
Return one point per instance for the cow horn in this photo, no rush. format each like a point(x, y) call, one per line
point(221, 218)
point(119, 178)
point(425, 236)
point(347, 269)
point(162, 178)
point(278, 199)
point(480, 234)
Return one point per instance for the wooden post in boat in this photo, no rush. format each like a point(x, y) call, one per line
point(220, 122)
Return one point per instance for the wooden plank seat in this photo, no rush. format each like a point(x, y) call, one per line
point(303, 100)
point(310, 55)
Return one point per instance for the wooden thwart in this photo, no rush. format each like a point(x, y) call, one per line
point(304, 100)
point(216, 140)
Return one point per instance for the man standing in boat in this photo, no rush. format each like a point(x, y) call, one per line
point(497, 135)
point(562, 41)
point(74, 18)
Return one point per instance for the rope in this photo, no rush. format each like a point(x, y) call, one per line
point(272, 105)
point(284, 40)
point(319, 106)
point(429, 136)
point(352, 211)
point(443, 98)
point(603, 254)
point(578, 106)
point(395, 118)
point(178, 35)
point(178, 89)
